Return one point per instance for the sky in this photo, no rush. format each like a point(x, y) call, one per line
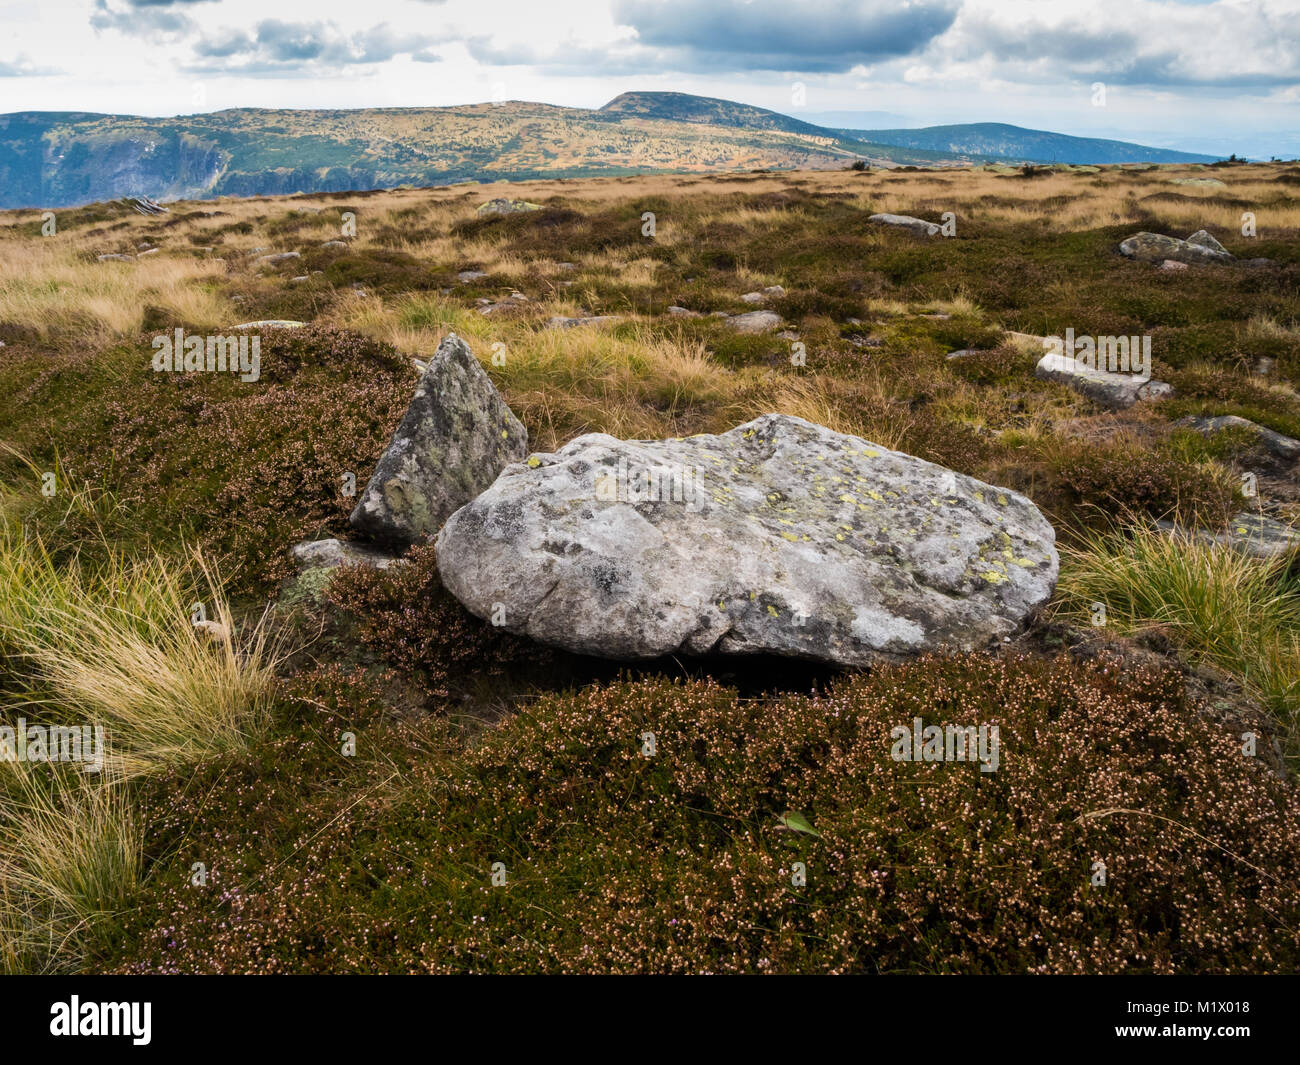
point(1214, 77)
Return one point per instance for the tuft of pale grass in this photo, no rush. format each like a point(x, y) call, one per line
point(864, 408)
point(70, 858)
point(115, 644)
point(48, 285)
point(1236, 612)
point(628, 383)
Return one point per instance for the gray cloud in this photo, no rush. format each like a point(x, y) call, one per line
point(277, 45)
point(22, 67)
point(814, 36)
point(1133, 42)
point(151, 20)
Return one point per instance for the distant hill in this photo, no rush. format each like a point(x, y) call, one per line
point(58, 159)
point(1014, 143)
point(977, 142)
point(711, 111)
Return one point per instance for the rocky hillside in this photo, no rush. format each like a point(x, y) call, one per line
point(60, 159)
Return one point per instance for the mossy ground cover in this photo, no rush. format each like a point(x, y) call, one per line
point(472, 748)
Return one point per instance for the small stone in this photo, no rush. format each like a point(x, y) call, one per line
point(754, 322)
point(560, 322)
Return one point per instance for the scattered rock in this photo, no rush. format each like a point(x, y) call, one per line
point(271, 323)
point(1200, 247)
point(335, 244)
point(1203, 239)
point(965, 353)
point(1277, 445)
point(1251, 534)
point(466, 276)
point(916, 225)
point(754, 321)
point(1172, 265)
point(278, 257)
point(115, 258)
point(764, 295)
point(316, 562)
point(455, 438)
point(505, 206)
point(778, 537)
point(1115, 390)
point(560, 322)
point(327, 554)
point(683, 312)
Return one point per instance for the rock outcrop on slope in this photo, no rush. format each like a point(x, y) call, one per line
point(1118, 391)
point(916, 225)
point(1200, 247)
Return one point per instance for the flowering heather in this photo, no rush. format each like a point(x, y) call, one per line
point(616, 862)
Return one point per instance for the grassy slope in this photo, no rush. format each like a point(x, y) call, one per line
point(404, 833)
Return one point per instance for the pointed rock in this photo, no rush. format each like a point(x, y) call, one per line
point(457, 435)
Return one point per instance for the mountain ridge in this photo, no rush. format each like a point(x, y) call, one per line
point(66, 158)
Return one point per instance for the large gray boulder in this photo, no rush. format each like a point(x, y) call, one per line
point(779, 536)
point(457, 435)
point(1200, 247)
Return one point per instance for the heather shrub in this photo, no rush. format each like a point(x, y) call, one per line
point(683, 861)
point(406, 616)
point(1120, 476)
point(241, 470)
